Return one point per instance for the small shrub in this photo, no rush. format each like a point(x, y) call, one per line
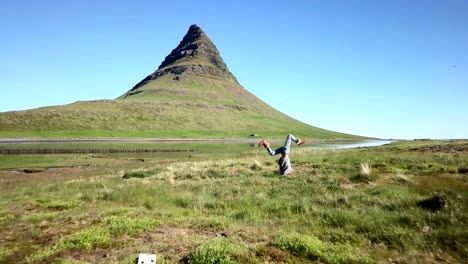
point(214, 251)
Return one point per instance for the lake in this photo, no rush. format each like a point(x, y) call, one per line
point(348, 145)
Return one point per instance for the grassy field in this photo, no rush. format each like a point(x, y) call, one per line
point(402, 203)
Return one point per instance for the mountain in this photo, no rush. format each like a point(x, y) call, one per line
point(191, 94)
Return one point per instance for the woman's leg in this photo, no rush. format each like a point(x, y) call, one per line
point(277, 151)
point(282, 150)
point(287, 143)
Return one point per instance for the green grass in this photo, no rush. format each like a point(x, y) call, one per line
point(86, 239)
point(40, 217)
point(238, 209)
point(214, 251)
point(41, 161)
point(5, 252)
point(312, 248)
point(126, 225)
point(305, 246)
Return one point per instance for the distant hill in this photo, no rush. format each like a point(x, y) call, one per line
point(191, 94)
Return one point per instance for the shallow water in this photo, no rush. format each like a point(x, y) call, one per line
point(349, 145)
point(199, 149)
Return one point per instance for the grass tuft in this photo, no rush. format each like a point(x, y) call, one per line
point(5, 252)
point(306, 246)
point(86, 239)
point(214, 251)
point(125, 225)
point(41, 255)
point(365, 169)
point(40, 217)
point(142, 173)
point(314, 249)
point(365, 174)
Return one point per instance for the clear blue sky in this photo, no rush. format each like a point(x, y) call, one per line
point(389, 69)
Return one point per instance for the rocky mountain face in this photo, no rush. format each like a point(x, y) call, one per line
point(195, 54)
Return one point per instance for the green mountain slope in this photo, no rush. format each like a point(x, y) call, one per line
point(192, 94)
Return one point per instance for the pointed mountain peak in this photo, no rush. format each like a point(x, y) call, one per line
point(195, 46)
point(194, 27)
point(196, 54)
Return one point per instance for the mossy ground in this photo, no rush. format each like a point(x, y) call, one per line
point(237, 208)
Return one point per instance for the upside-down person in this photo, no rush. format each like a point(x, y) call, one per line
point(284, 163)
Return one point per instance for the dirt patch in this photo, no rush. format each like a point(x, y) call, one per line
point(19, 178)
